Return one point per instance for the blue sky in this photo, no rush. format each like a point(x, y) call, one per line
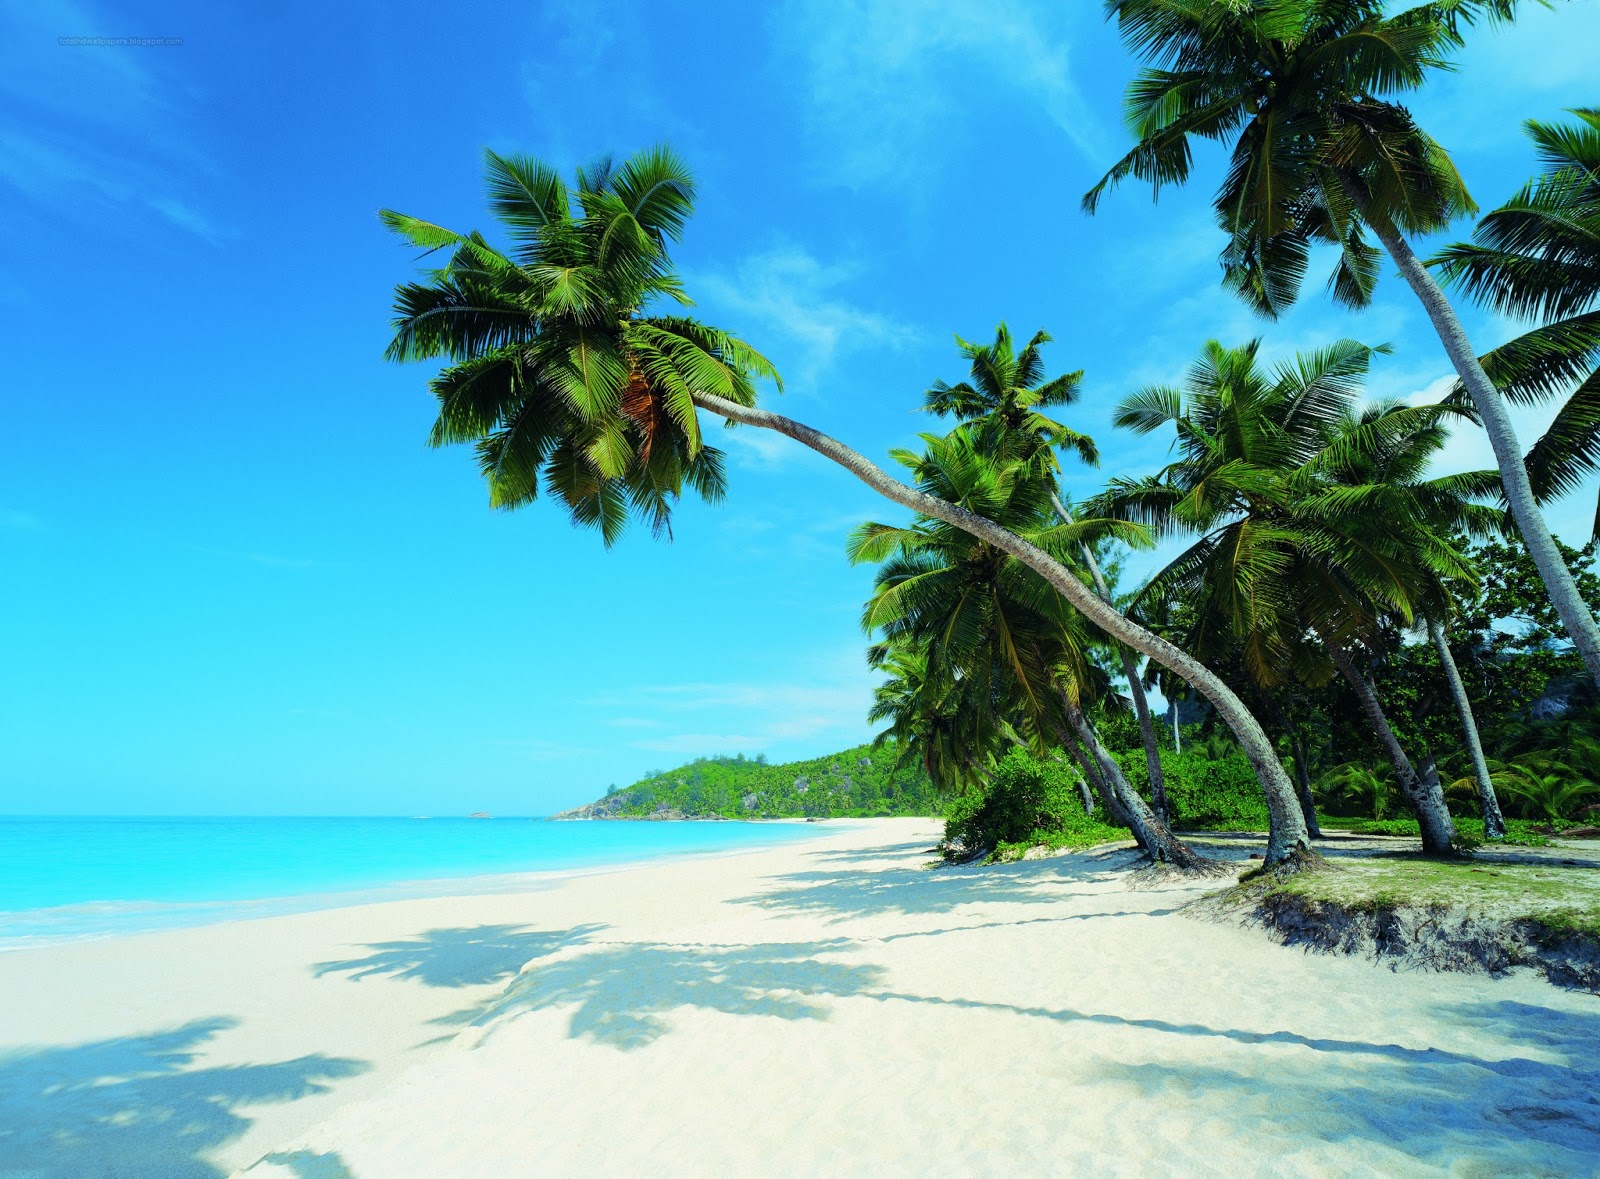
point(236, 581)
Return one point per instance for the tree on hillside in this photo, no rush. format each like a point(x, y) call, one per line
point(1303, 92)
point(558, 369)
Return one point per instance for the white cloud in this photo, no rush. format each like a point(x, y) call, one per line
point(1535, 67)
point(795, 304)
point(14, 520)
point(534, 749)
point(886, 77)
point(822, 701)
point(1571, 517)
point(787, 289)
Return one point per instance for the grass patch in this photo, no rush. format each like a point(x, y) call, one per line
point(1561, 898)
point(1519, 832)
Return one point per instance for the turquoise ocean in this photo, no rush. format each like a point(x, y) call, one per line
point(65, 879)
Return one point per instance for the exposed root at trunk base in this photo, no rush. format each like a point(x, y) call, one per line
point(1301, 859)
point(1150, 873)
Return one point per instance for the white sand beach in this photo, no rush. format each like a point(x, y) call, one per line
point(825, 1008)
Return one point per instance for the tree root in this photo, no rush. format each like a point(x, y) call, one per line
point(1302, 859)
point(1151, 873)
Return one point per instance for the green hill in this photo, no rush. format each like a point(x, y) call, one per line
point(853, 782)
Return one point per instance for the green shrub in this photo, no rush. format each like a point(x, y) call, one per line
point(1204, 792)
point(1027, 804)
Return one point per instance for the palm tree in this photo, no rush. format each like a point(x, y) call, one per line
point(1303, 91)
point(1355, 783)
point(982, 618)
point(1539, 255)
point(1002, 402)
point(935, 720)
point(557, 368)
point(1311, 515)
point(1545, 786)
point(1437, 611)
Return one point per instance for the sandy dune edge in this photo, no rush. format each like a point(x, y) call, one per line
point(826, 1008)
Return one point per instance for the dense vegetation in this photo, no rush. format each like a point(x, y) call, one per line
point(1351, 629)
point(860, 781)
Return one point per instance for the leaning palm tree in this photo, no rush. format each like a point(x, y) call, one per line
point(983, 618)
point(1312, 518)
point(1539, 255)
point(1003, 404)
point(558, 369)
point(562, 372)
point(1304, 92)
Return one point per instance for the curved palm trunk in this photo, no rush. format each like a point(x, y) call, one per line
point(1494, 824)
point(1152, 833)
point(1288, 840)
point(1491, 407)
point(1423, 794)
point(1141, 705)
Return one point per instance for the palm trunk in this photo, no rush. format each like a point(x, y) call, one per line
point(1141, 705)
point(1086, 794)
point(1091, 775)
point(1152, 833)
point(1288, 841)
point(1302, 779)
point(1494, 824)
point(1425, 798)
point(1302, 786)
point(1491, 407)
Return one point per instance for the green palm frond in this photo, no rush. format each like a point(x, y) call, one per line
point(560, 373)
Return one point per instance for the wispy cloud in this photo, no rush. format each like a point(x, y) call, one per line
point(826, 698)
point(14, 520)
point(1468, 449)
point(792, 293)
point(885, 76)
point(97, 127)
point(536, 749)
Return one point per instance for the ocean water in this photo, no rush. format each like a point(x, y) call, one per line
point(72, 878)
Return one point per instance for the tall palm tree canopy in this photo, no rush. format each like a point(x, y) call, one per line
point(1538, 256)
point(1004, 398)
point(1311, 509)
point(563, 369)
point(1304, 92)
point(981, 627)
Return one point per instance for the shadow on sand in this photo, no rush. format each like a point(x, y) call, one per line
point(623, 991)
point(1439, 1107)
point(132, 1106)
point(463, 957)
point(842, 894)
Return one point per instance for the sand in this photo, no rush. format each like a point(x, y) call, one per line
point(826, 1008)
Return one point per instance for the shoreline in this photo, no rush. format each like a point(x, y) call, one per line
point(825, 1006)
point(207, 913)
